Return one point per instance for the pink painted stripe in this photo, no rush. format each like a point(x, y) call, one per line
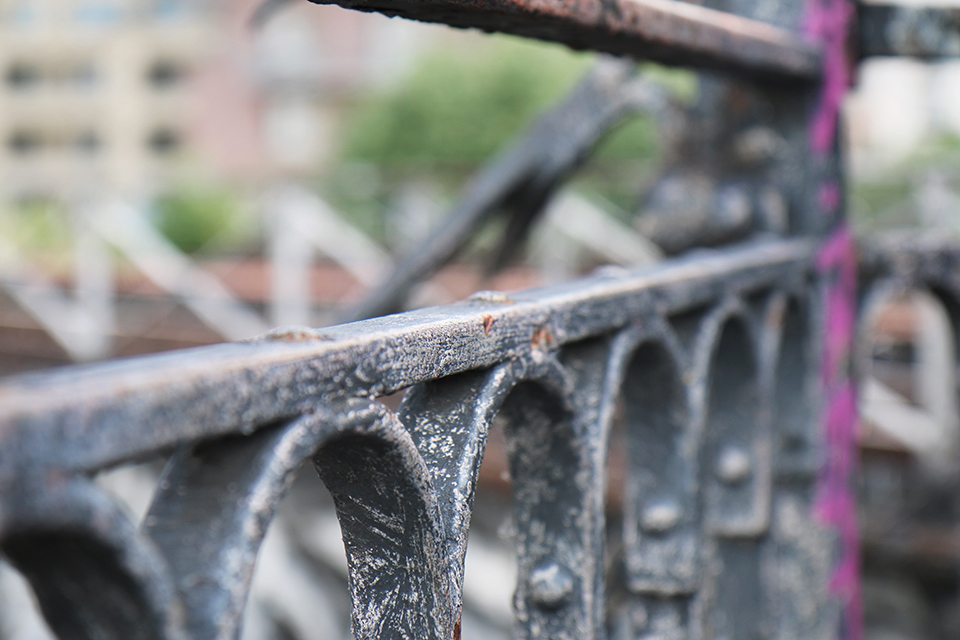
point(836, 503)
point(828, 23)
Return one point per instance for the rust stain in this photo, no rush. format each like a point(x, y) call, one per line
point(775, 319)
point(456, 631)
point(681, 33)
point(488, 322)
point(542, 338)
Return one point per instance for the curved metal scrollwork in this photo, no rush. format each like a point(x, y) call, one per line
point(713, 366)
point(216, 500)
point(702, 353)
point(93, 573)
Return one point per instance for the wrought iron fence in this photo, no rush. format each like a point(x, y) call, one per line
point(728, 368)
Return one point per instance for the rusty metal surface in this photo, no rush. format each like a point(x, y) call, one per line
point(668, 31)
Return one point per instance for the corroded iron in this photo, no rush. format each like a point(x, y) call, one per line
point(553, 365)
point(723, 374)
point(668, 31)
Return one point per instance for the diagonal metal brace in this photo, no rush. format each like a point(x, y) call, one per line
point(521, 179)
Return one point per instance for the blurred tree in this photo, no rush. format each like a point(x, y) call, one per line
point(894, 197)
point(192, 218)
point(462, 105)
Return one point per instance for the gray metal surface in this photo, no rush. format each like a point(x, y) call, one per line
point(726, 373)
point(551, 363)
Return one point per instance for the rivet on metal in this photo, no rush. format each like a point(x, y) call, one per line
point(551, 585)
point(733, 466)
point(661, 516)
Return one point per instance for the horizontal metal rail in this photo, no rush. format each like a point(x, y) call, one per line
point(666, 31)
point(692, 347)
point(717, 368)
point(149, 404)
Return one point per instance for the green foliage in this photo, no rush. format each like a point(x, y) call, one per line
point(191, 219)
point(682, 85)
point(634, 139)
point(462, 105)
point(617, 182)
point(884, 201)
point(41, 225)
point(882, 204)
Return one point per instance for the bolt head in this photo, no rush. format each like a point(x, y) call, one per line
point(734, 466)
point(660, 516)
point(551, 585)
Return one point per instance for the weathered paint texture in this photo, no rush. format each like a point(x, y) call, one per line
point(715, 499)
point(551, 363)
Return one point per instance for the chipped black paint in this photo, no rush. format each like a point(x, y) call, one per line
point(248, 415)
point(714, 357)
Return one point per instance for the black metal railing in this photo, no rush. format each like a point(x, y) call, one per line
point(731, 365)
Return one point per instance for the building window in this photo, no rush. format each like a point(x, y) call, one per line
point(22, 75)
point(164, 141)
point(24, 142)
point(87, 142)
point(164, 74)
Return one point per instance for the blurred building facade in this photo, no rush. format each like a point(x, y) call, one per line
point(94, 92)
point(126, 96)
